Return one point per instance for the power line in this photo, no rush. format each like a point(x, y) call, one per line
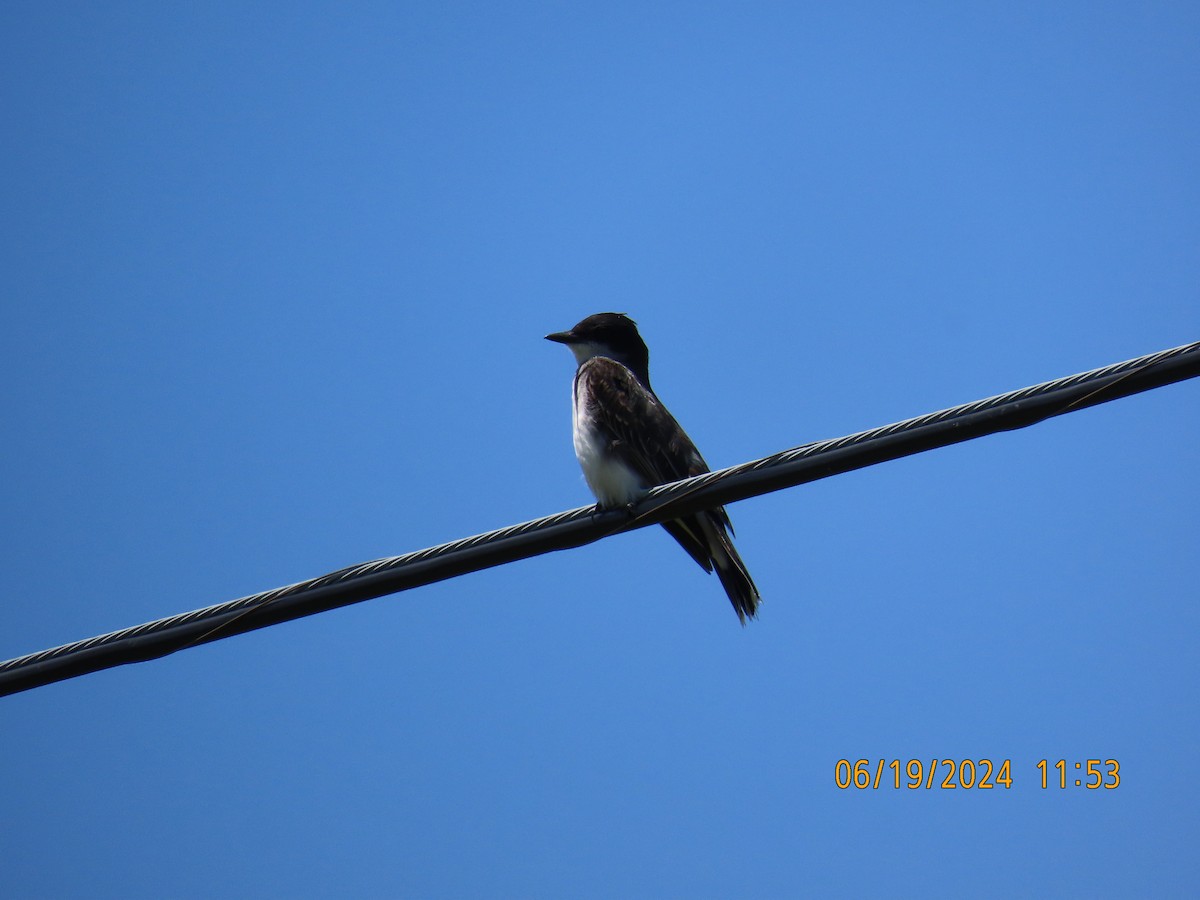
point(575, 527)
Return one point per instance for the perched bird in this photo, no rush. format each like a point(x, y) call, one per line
point(627, 442)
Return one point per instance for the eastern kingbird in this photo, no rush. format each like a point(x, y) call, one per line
point(627, 442)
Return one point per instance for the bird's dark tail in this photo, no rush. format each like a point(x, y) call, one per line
point(706, 539)
point(735, 578)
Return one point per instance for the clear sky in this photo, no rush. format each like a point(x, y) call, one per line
point(275, 279)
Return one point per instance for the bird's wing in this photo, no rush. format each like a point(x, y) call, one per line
point(648, 439)
point(639, 428)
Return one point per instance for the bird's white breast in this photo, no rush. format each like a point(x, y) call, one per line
point(611, 481)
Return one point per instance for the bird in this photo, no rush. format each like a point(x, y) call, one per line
point(627, 442)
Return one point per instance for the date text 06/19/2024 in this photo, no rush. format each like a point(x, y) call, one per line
point(972, 774)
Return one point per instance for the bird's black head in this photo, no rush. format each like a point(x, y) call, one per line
point(613, 335)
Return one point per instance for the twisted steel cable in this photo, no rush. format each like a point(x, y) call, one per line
point(575, 527)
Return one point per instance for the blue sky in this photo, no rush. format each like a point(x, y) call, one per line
point(275, 281)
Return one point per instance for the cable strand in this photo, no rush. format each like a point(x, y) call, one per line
point(575, 527)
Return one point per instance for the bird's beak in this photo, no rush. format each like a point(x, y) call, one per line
point(561, 337)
